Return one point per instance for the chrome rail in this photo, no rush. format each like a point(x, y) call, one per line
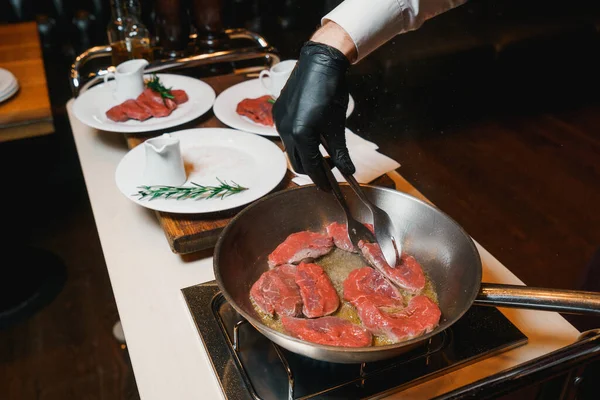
point(212, 58)
point(246, 34)
point(262, 51)
point(567, 360)
point(81, 60)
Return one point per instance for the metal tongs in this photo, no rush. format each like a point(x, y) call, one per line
point(382, 223)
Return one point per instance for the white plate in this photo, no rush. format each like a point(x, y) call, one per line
point(90, 108)
point(14, 88)
point(7, 81)
point(226, 104)
point(210, 153)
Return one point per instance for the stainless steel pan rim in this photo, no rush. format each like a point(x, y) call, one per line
point(355, 350)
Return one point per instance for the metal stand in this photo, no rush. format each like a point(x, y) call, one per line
point(364, 373)
point(256, 368)
point(262, 50)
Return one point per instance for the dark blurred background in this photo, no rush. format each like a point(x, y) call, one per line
point(491, 108)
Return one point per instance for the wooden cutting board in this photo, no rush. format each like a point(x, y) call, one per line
point(189, 233)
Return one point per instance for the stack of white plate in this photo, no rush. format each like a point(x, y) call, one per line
point(8, 85)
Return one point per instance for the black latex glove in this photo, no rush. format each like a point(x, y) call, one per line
point(314, 103)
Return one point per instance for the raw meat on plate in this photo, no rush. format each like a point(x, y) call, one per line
point(408, 274)
point(158, 99)
point(149, 103)
point(154, 103)
point(259, 110)
point(276, 292)
point(318, 294)
point(368, 284)
point(117, 114)
point(134, 111)
point(180, 96)
point(300, 246)
point(420, 316)
point(339, 234)
point(331, 331)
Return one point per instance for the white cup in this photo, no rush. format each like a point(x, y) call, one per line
point(278, 76)
point(129, 79)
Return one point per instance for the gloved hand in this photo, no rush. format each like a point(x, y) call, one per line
point(314, 103)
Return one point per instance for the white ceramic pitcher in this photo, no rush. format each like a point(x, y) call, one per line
point(164, 163)
point(129, 79)
point(278, 76)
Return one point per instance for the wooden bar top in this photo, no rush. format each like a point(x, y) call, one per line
point(28, 112)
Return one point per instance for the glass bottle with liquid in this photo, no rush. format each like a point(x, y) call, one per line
point(128, 36)
point(172, 27)
point(209, 26)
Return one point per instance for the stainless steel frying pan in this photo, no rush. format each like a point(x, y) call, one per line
point(447, 253)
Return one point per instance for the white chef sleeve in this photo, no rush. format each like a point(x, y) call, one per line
point(371, 23)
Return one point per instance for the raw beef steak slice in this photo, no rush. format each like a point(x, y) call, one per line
point(134, 110)
point(331, 331)
point(408, 274)
point(276, 292)
point(153, 96)
point(299, 246)
point(170, 104)
point(154, 103)
point(339, 234)
point(117, 114)
point(180, 96)
point(318, 294)
point(259, 110)
point(420, 316)
point(368, 284)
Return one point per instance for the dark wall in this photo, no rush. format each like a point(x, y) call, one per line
point(78, 24)
point(541, 50)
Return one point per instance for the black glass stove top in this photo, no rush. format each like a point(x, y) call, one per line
point(260, 369)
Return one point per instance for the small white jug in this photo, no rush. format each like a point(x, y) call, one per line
point(164, 163)
point(278, 76)
point(129, 79)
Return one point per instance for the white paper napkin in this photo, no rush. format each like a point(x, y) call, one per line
point(369, 163)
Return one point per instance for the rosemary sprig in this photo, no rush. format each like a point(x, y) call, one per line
point(190, 192)
point(158, 87)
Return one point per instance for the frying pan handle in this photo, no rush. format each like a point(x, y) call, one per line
point(563, 301)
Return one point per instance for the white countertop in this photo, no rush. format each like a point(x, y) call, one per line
point(168, 357)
